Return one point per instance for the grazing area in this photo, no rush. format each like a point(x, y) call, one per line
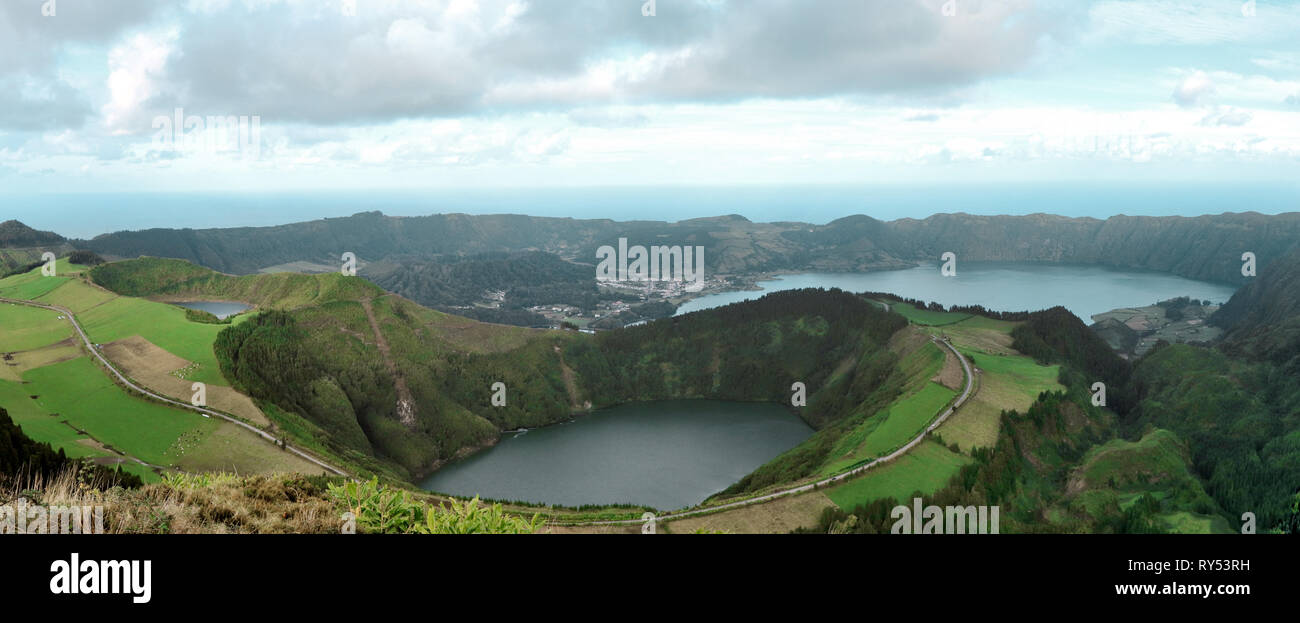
point(784, 514)
point(166, 373)
point(62, 396)
point(925, 470)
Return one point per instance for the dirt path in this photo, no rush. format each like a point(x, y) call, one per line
point(939, 419)
point(405, 402)
point(571, 385)
point(125, 382)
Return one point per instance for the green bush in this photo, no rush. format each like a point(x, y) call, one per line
point(383, 510)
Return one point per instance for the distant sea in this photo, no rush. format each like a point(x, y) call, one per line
point(87, 215)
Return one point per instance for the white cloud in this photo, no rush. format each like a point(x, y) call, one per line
point(1191, 22)
point(1227, 116)
point(135, 67)
point(1194, 90)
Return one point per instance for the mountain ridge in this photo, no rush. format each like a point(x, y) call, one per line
point(1206, 247)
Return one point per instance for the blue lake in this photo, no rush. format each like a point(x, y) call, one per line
point(666, 455)
point(1084, 290)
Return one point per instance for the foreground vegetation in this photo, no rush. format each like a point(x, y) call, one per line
point(1191, 437)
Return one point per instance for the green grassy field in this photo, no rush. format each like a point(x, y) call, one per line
point(28, 286)
point(162, 324)
point(927, 317)
point(27, 328)
point(77, 296)
point(38, 424)
point(890, 429)
point(107, 318)
point(79, 392)
point(919, 366)
point(1007, 383)
point(1184, 522)
point(927, 468)
point(907, 419)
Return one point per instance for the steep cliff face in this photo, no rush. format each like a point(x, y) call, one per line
point(1263, 318)
point(1203, 247)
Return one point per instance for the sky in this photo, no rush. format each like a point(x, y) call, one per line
point(321, 95)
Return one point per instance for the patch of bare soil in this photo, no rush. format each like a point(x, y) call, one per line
point(405, 400)
point(152, 367)
point(951, 374)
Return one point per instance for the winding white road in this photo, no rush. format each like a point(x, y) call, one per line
point(127, 382)
point(965, 394)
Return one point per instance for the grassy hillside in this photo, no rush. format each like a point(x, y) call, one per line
point(421, 395)
point(60, 395)
point(156, 277)
point(1204, 247)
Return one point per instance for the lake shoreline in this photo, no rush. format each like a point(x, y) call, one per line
point(607, 456)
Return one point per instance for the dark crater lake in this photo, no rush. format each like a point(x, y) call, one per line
point(674, 454)
point(667, 455)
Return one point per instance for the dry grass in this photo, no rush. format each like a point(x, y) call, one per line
point(951, 374)
point(225, 505)
point(13, 368)
point(232, 448)
point(152, 366)
point(778, 516)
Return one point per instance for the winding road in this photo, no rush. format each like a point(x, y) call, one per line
point(952, 407)
point(129, 384)
point(965, 394)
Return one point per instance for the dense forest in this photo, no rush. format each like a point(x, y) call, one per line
point(1203, 247)
point(1212, 431)
point(1187, 429)
point(319, 365)
point(1238, 404)
point(527, 279)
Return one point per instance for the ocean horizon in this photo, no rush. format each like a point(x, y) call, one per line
point(86, 215)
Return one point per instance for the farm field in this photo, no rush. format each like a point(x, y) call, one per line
point(79, 409)
point(29, 328)
point(80, 392)
point(927, 468)
point(39, 424)
point(158, 369)
point(107, 317)
point(1184, 522)
point(922, 361)
point(778, 516)
point(906, 419)
point(926, 316)
point(1008, 381)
